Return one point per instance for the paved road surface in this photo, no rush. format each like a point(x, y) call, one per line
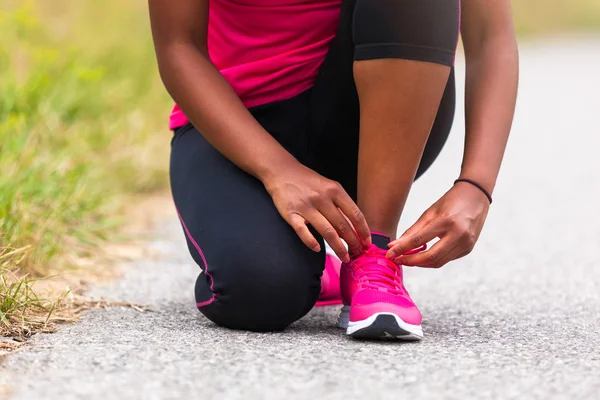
point(520, 318)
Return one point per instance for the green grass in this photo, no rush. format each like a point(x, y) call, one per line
point(83, 126)
point(21, 308)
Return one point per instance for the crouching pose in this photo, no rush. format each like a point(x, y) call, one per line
point(304, 121)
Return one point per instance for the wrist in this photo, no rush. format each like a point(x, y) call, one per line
point(486, 179)
point(475, 186)
point(270, 173)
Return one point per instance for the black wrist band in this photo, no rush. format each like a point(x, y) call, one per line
point(477, 185)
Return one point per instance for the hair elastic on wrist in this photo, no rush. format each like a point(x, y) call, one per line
point(477, 185)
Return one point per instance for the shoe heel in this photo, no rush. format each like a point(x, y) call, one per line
point(344, 318)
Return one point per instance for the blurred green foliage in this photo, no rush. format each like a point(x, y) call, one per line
point(82, 124)
point(543, 17)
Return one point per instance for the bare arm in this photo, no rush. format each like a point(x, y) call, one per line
point(491, 86)
point(203, 94)
point(301, 195)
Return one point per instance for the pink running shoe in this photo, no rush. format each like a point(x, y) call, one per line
point(330, 283)
point(376, 304)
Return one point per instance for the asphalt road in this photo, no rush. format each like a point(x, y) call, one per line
point(519, 318)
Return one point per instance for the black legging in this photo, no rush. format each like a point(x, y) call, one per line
point(258, 275)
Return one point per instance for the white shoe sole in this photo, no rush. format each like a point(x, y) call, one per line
point(379, 326)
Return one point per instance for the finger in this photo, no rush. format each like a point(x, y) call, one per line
point(356, 217)
point(419, 236)
point(453, 255)
point(456, 255)
point(298, 223)
point(462, 248)
point(432, 257)
point(324, 227)
point(425, 219)
point(342, 226)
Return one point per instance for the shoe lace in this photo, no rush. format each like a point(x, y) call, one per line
point(375, 271)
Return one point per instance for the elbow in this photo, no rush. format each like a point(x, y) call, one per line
point(174, 58)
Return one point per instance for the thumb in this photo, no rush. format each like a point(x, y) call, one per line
point(417, 235)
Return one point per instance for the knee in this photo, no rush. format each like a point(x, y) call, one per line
point(262, 294)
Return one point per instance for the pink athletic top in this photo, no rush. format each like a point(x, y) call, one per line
point(268, 50)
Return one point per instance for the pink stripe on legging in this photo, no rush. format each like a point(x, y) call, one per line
point(212, 281)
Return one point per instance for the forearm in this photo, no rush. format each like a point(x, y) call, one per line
point(214, 108)
point(490, 97)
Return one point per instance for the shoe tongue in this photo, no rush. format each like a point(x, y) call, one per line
point(380, 240)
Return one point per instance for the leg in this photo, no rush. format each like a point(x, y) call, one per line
point(334, 117)
point(441, 127)
point(257, 275)
point(377, 304)
point(403, 58)
point(401, 71)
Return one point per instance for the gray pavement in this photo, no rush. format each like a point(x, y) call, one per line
point(519, 318)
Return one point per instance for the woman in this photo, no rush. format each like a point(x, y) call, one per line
point(304, 121)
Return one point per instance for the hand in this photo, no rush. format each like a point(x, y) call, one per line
point(457, 219)
point(303, 197)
